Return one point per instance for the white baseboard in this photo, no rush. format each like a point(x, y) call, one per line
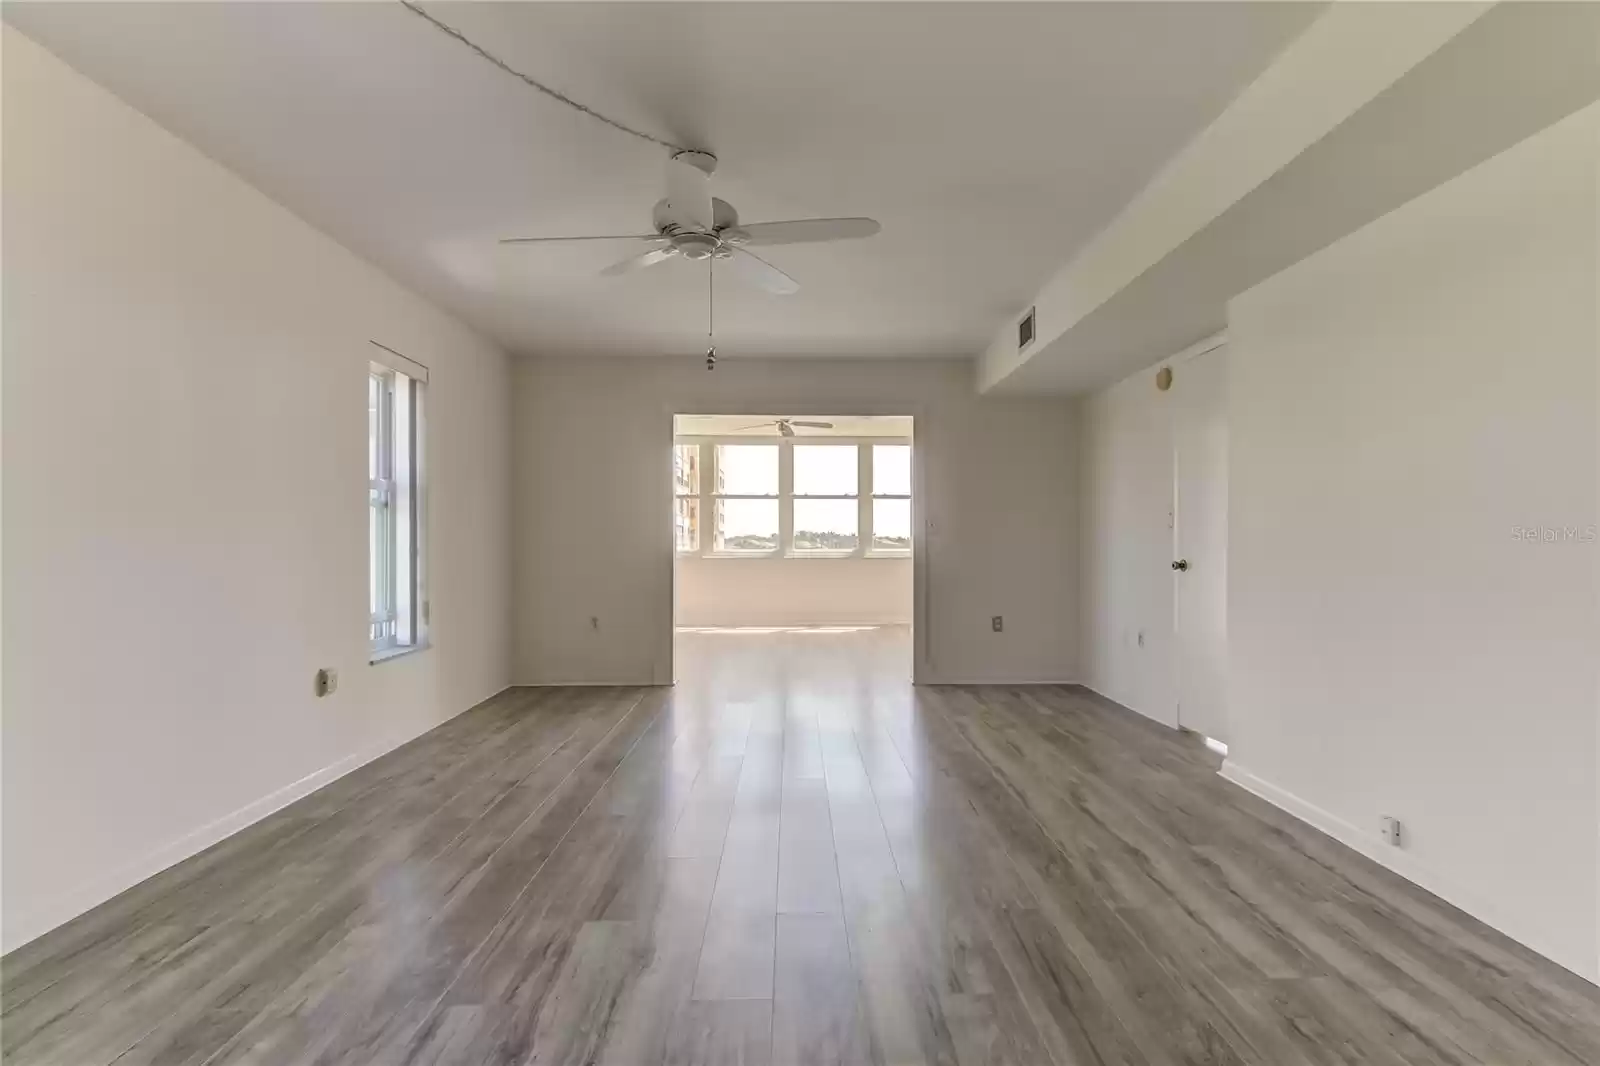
point(20, 929)
point(587, 684)
point(1169, 723)
point(1391, 858)
point(994, 682)
point(791, 623)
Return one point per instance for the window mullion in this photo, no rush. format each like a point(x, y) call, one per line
point(863, 499)
point(785, 497)
point(391, 515)
point(708, 504)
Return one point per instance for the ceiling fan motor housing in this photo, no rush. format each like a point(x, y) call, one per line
point(695, 245)
point(725, 220)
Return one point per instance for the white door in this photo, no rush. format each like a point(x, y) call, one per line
point(1200, 540)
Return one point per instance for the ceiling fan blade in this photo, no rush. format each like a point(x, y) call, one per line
point(811, 425)
point(756, 269)
point(758, 425)
point(689, 193)
point(785, 429)
point(621, 237)
point(805, 230)
point(637, 262)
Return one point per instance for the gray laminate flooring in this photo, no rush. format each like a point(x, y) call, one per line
point(792, 857)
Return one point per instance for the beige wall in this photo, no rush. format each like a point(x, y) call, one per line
point(185, 501)
point(994, 481)
point(1401, 404)
point(792, 592)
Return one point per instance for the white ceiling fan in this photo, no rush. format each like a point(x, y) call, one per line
point(692, 224)
point(786, 425)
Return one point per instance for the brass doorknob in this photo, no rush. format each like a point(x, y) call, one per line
point(1181, 564)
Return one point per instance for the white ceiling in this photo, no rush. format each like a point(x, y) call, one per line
point(991, 140)
point(1473, 82)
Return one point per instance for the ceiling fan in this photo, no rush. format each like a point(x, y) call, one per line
point(786, 425)
point(694, 225)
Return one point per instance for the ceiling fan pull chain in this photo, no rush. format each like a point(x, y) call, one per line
point(711, 314)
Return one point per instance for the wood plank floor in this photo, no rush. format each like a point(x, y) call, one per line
point(792, 857)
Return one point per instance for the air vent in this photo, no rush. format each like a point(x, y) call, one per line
point(1025, 329)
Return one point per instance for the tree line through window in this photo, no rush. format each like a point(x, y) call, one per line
point(815, 497)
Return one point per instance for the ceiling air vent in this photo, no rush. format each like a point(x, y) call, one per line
point(1025, 329)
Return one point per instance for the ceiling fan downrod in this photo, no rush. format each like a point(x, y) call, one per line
point(711, 314)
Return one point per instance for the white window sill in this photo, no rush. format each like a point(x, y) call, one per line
point(397, 652)
point(889, 555)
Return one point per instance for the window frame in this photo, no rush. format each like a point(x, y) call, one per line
point(695, 495)
point(383, 621)
point(709, 468)
point(863, 520)
point(398, 487)
point(871, 495)
point(786, 497)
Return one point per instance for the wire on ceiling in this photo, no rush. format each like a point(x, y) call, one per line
point(554, 94)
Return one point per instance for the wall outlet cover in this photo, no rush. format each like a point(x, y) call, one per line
point(998, 623)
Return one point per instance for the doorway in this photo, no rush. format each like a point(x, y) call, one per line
point(793, 525)
point(1200, 542)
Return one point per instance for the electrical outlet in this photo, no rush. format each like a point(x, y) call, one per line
point(326, 682)
point(998, 623)
point(1392, 832)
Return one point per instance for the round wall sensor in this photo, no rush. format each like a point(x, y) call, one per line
point(1164, 378)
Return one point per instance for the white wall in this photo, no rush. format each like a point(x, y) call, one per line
point(185, 501)
point(1126, 547)
point(793, 592)
point(1400, 403)
point(593, 521)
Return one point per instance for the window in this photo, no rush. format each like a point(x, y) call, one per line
point(891, 497)
point(394, 505)
point(746, 499)
point(818, 497)
point(686, 502)
point(826, 506)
